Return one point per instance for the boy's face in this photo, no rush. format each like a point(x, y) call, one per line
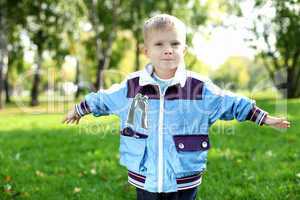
point(165, 48)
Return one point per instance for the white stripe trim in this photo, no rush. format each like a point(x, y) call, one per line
point(188, 184)
point(259, 117)
point(260, 121)
point(253, 113)
point(136, 183)
point(185, 188)
point(195, 183)
point(182, 186)
point(78, 110)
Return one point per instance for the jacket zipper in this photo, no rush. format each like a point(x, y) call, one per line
point(160, 141)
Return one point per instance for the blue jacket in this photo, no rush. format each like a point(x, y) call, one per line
point(164, 134)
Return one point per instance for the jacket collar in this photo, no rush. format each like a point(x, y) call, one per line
point(146, 78)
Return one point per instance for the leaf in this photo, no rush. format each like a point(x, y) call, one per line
point(7, 188)
point(93, 171)
point(7, 178)
point(39, 173)
point(77, 190)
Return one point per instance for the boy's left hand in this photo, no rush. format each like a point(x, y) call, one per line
point(277, 122)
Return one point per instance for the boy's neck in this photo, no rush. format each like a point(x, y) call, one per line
point(165, 74)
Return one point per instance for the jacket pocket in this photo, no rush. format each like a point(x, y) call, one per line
point(132, 150)
point(191, 152)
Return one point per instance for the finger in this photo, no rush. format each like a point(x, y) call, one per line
point(64, 120)
point(73, 120)
point(284, 124)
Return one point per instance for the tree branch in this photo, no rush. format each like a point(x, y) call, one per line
point(270, 53)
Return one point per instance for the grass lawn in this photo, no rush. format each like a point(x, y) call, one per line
point(42, 159)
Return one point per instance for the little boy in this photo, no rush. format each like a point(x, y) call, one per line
point(165, 113)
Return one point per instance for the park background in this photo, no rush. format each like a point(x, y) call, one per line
point(53, 52)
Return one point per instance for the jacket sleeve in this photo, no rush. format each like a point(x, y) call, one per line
point(104, 102)
point(226, 105)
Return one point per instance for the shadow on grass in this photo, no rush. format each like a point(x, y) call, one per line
point(61, 164)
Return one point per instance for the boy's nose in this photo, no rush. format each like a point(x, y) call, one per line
point(168, 51)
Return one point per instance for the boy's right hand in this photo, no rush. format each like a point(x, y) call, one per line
point(72, 117)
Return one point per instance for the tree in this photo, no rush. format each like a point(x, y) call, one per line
point(280, 35)
point(12, 17)
point(45, 24)
point(103, 16)
point(3, 52)
point(15, 63)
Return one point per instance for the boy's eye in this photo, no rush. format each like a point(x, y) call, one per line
point(158, 44)
point(175, 43)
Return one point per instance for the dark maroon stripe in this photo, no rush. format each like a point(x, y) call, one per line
point(136, 177)
point(87, 107)
point(250, 113)
point(133, 86)
point(82, 107)
point(188, 180)
point(131, 133)
point(192, 90)
point(255, 115)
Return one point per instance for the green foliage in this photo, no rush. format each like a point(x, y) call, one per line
point(240, 73)
point(120, 45)
point(280, 35)
point(233, 74)
point(194, 64)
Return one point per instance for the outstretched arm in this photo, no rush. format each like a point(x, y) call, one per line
point(227, 106)
point(72, 117)
point(75, 114)
point(277, 122)
point(103, 102)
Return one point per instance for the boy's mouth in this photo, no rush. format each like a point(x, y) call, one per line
point(167, 59)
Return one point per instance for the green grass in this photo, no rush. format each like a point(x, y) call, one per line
point(42, 159)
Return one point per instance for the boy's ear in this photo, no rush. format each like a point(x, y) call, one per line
point(145, 50)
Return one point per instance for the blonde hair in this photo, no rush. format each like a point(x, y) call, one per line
point(163, 22)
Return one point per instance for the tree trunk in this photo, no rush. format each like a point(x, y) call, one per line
point(103, 64)
point(7, 88)
point(1, 83)
point(169, 7)
point(292, 84)
point(3, 63)
point(77, 79)
point(104, 53)
point(36, 81)
point(100, 68)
